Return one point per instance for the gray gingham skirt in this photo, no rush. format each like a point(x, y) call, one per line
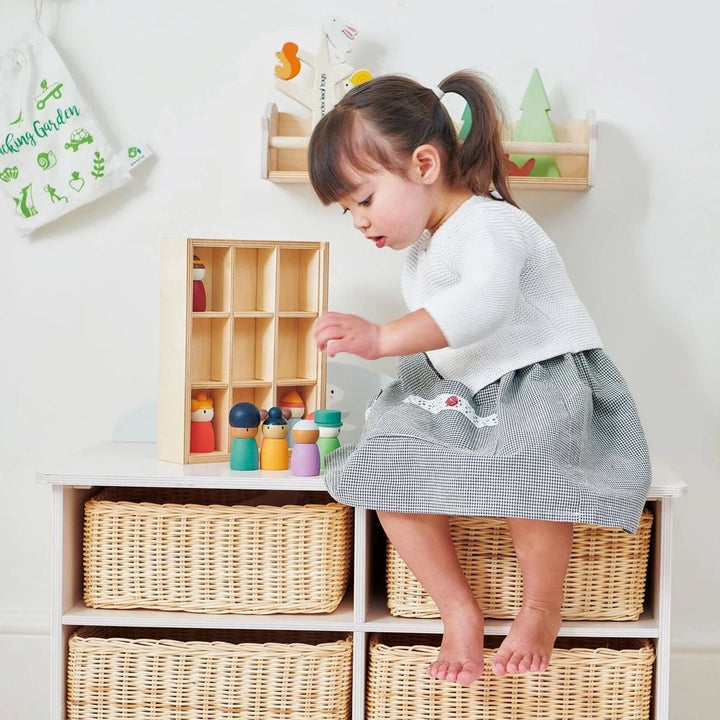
point(558, 440)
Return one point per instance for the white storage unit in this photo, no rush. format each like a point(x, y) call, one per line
point(362, 612)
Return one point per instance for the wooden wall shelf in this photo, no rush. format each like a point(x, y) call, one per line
point(253, 342)
point(285, 139)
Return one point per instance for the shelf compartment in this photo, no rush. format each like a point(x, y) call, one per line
point(209, 349)
point(225, 552)
point(307, 390)
point(204, 675)
point(219, 394)
point(260, 395)
point(299, 280)
point(254, 279)
point(284, 162)
point(297, 355)
point(217, 280)
point(285, 140)
point(606, 578)
point(591, 680)
point(253, 349)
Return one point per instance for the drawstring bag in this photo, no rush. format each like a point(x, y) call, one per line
point(54, 156)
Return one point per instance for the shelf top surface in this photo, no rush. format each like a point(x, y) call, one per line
point(136, 463)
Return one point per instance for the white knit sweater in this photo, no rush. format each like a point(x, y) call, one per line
point(496, 286)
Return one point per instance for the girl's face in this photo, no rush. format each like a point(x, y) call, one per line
point(389, 209)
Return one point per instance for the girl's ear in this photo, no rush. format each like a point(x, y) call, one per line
point(425, 164)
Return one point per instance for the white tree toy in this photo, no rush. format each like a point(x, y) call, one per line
point(330, 70)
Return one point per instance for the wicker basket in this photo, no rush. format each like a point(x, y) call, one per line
point(215, 552)
point(140, 674)
point(593, 683)
point(605, 578)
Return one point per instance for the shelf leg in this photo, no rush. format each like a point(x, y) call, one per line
point(359, 674)
point(663, 551)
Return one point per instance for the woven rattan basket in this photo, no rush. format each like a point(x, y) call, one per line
point(141, 674)
point(605, 579)
point(215, 552)
point(592, 683)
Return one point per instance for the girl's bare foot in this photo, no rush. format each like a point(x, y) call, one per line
point(529, 644)
point(461, 652)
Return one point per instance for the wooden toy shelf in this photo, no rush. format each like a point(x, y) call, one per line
point(285, 139)
point(253, 342)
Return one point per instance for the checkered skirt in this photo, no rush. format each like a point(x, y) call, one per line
point(557, 440)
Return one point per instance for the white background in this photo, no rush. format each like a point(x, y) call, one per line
point(79, 318)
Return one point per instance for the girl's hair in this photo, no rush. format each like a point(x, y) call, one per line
point(380, 123)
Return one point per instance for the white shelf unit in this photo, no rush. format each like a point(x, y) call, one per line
point(363, 610)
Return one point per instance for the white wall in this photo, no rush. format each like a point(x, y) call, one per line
point(80, 299)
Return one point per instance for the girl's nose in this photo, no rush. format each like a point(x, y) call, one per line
point(360, 221)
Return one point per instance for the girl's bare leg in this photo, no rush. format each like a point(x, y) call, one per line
point(543, 550)
point(424, 543)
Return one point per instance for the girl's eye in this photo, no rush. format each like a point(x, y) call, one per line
point(366, 201)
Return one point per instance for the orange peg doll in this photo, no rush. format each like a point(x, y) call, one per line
point(202, 432)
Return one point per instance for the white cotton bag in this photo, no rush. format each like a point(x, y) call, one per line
point(54, 157)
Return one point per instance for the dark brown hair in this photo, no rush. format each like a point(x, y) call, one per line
point(380, 123)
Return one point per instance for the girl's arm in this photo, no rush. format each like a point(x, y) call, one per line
point(412, 333)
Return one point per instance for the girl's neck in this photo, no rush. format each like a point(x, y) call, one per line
point(447, 204)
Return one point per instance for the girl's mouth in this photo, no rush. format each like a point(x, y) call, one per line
point(380, 242)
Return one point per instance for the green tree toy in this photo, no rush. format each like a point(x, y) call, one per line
point(534, 126)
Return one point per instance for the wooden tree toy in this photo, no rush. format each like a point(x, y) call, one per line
point(534, 126)
point(329, 67)
point(202, 432)
point(244, 420)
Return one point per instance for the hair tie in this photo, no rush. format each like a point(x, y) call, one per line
point(438, 92)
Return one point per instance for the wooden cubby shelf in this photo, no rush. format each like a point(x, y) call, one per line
point(285, 139)
point(255, 336)
point(363, 610)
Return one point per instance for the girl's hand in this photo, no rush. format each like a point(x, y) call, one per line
point(337, 332)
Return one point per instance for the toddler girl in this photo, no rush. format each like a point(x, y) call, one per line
point(505, 404)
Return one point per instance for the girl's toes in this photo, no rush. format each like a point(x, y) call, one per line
point(526, 664)
point(513, 664)
point(441, 669)
point(470, 672)
point(499, 664)
point(453, 671)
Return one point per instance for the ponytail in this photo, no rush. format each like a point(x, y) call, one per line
point(480, 159)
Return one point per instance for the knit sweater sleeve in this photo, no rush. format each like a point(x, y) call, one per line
point(481, 267)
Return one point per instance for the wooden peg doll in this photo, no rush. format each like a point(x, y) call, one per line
point(329, 423)
point(244, 419)
point(202, 432)
point(274, 452)
point(293, 407)
point(198, 274)
point(305, 458)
